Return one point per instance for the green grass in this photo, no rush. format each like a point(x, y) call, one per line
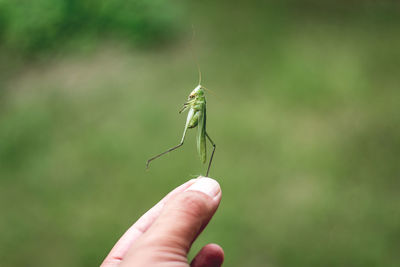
point(305, 120)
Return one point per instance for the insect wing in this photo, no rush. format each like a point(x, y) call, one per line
point(201, 135)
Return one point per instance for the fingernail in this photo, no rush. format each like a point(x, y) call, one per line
point(206, 185)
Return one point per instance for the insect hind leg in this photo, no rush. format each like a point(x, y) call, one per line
point(212, 153)
point(161, 154)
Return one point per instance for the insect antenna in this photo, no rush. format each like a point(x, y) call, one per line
point(210, 91)
point(194, 54)
point(197, 62)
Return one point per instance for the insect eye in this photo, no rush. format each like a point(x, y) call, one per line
point(191, 96)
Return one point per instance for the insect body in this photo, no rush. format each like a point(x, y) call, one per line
point(196, 103)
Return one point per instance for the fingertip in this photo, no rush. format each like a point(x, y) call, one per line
point(215, 251)
point(185, 215)
point(211, 255)
point(207, 186)
point(201, 176)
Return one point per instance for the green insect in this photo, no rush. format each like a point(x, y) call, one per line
point(196, 104)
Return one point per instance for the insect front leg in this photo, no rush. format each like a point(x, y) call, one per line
point(212, 153)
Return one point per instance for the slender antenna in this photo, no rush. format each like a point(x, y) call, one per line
point(212, 92)
point(194, 54)
point(209, 90)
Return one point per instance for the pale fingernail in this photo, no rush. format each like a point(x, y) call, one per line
point(206, 185)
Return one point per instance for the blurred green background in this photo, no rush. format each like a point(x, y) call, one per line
point(305, 116)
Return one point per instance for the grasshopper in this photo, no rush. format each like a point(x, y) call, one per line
point(196, 104)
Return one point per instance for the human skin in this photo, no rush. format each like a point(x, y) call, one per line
point(162, 237)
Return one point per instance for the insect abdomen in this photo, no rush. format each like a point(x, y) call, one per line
point(194, 121)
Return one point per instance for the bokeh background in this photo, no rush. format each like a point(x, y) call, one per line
point(305, 116)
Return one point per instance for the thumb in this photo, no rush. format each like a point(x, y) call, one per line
point(181, 221)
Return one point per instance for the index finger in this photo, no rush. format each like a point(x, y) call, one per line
point(119, 250)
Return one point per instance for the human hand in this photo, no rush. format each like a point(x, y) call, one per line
point(164, 234)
